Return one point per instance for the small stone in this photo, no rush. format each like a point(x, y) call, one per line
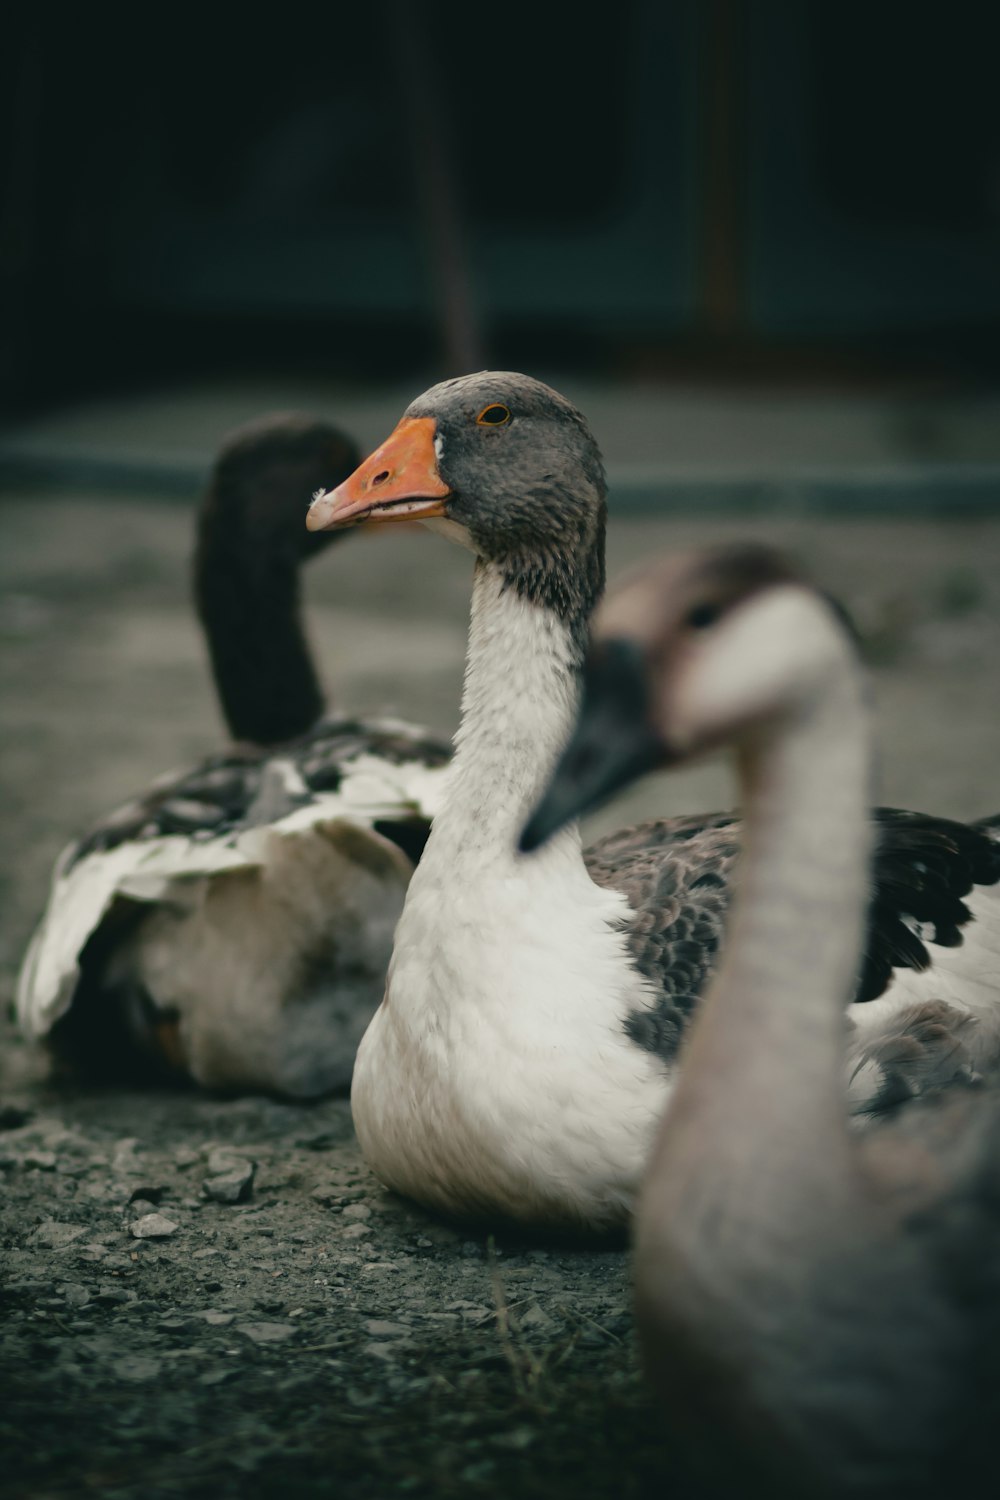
point(224, 1159)
point(379, 1328)
point(322, 1141)
point(113, 1262)
point(142, 1206)
point(216, 1319)
point(42, 1161)
point(136, 1367)
point(534, 1317)
point(75, 1294)
point(152, 1227)
point(357, 1211)
point(518, 1439)
point(56, 1236)
point(326, 1194)
point(216, 1377)
point(479, 1473)
point(472, 1312)
point(232, 1186)
point(356, 1231)
point(186, 1156)
point(73, 1168)
point(116, 1295)
point(437, 1234)
point(388, 1352)
point(267, 1333)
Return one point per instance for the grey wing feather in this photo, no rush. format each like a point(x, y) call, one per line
point(675, 874)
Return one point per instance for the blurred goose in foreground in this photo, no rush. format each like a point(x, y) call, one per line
point(820, 1311)
point(233, 924)
point(534, 1007)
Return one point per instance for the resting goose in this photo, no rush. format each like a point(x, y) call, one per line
point(528, 1037)
point(820, 1311)
point(233, 924)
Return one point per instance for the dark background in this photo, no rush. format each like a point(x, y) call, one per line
point(771, 190)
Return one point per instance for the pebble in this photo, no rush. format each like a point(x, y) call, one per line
point(534, 1317)
point(44, 1161)
point(517, 1439)
point(186, 1156)
point(381, 1329)
point(142, 1206)
point(232, 1186)
point(388, 1352)
point(326, 1194)
point(136, 1367)
point(152, 1227)
point(357, 1211)
point(356, 1231)
point(75, 1294)
point(267, 1333)
point(115, 1295)
point(55, 1235)
point(216, 1319)
point(224, 1159)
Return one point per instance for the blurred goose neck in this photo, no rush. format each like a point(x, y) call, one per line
point(760, 1094)
point(247, 596)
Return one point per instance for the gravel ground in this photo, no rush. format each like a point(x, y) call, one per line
point(205, 1296)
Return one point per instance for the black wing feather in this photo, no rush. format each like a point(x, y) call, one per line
point(676, 874)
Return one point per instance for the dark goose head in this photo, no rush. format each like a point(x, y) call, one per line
point(504, 465)
point(250, 545)
point(678, 663)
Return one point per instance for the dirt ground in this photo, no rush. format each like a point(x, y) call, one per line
point(214, 1297)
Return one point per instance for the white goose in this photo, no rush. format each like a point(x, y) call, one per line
point(233, 924)
point(527, 1041)
point(820, 1311)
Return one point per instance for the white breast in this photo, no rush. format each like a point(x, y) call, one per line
point(497, 1075)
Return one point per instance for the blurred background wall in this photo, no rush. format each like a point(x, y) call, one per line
point(737, 188)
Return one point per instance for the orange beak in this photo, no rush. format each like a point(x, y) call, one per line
point(399, 482)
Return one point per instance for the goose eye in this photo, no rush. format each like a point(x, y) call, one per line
point(493, 415)
point(702, 615)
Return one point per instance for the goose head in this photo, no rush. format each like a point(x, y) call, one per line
point(502, 465)
point(264, 478)
point(687, 654)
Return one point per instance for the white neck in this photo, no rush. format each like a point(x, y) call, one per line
point(518, 705)
point(758, 1111)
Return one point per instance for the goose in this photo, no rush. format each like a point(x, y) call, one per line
point(819, 1310)
point(528, 1037)
point(232, 925)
